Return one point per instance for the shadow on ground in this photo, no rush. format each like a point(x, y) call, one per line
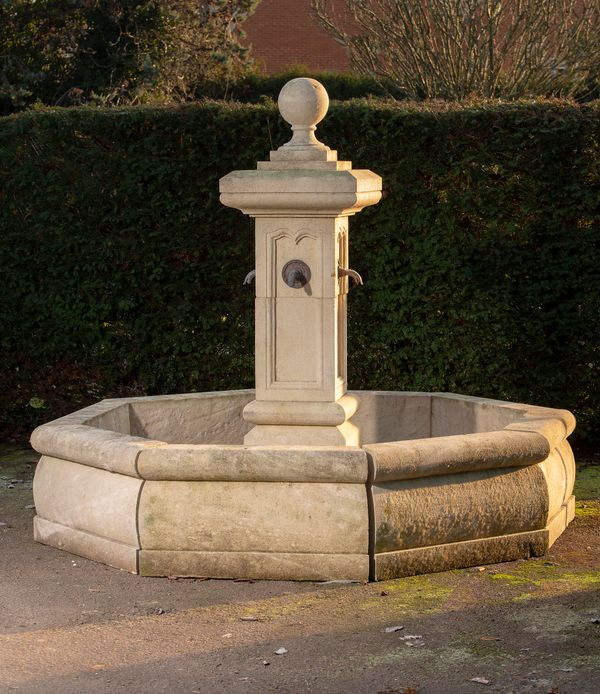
point(71, 625)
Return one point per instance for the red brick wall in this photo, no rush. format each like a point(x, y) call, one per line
point(284, 33)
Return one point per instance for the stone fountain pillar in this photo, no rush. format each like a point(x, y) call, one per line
point(301, 199)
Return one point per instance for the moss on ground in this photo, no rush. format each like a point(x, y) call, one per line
point(412, 593)
point(539, 573)
point(512, 579)
point(587, 509)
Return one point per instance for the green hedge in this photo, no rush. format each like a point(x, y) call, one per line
point(255, 86)
point(122, 274)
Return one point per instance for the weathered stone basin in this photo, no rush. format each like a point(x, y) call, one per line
point(165, 486)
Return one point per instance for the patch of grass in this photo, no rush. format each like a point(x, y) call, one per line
point(587, 482)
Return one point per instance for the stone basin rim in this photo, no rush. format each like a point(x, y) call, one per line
point(527, 440)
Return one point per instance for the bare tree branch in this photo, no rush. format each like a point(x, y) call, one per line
point(459, 48)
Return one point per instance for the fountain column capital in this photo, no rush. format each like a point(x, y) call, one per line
point(303, 177)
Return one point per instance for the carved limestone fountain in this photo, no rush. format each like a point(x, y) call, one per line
point(301, 479)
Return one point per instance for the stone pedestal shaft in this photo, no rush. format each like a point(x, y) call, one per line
point(301, 331)
point(301, 200)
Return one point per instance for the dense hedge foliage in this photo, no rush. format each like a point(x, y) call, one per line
point(122, 273)
point(254, 86)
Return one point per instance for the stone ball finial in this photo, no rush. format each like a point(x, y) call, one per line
point(303, 102)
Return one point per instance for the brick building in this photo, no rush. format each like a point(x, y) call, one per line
point(284, 33)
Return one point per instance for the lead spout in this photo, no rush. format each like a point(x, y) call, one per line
point(346, 272)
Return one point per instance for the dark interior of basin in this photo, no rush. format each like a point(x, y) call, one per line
point(216, 418)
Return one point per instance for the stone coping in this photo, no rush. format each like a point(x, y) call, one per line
point(254, 463)
point(446, 455)
point(289, 193)
point(527, 440)
point(515, 446)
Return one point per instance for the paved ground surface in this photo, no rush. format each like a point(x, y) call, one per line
point(71, 625)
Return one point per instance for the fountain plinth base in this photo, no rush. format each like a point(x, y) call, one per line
point(284, 423)
point(165, 486)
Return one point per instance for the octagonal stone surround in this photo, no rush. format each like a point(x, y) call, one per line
point(164, 486)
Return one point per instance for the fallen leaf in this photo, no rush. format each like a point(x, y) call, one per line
point(479, 680)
